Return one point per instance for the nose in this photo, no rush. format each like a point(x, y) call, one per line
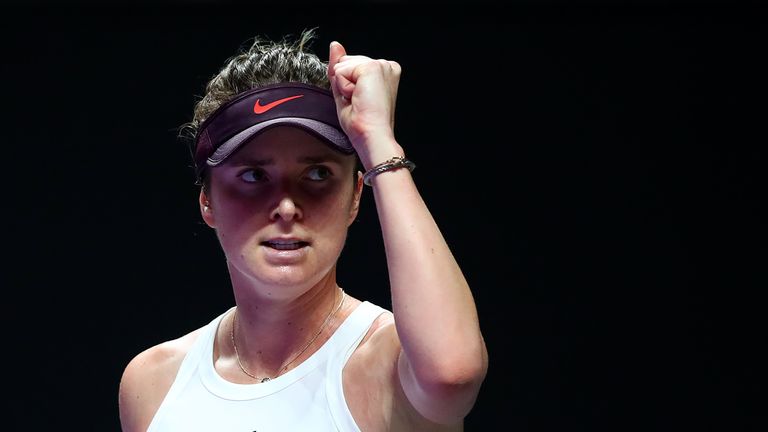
point(287, 210)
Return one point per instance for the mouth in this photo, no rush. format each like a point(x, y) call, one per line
point(285, 244)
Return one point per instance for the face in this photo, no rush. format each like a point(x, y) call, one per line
point(281, 206)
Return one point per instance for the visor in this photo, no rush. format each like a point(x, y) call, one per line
point(289, 104)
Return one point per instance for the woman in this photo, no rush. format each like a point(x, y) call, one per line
point(278, 137)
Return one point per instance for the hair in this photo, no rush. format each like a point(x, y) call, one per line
point(264, 62)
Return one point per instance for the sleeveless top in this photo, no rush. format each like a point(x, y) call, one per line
point(309, 397)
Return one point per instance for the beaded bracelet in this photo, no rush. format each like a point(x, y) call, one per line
point(393, 163)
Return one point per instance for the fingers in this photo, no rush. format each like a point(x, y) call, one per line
point(344, 71)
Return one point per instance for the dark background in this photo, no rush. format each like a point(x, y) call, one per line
point(596, 167)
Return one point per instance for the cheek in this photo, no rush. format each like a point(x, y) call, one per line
point(332, 211)
point(232, 203)
point(235, 234)
point(237, 221)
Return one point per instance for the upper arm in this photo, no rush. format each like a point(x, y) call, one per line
point(437, 406)
point(446, 403)
point(443, 403)
point(134, 397)
point(143, 385)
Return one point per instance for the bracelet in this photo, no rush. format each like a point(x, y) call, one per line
point(391, 164)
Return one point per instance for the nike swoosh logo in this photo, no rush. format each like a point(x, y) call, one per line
point(261, 109)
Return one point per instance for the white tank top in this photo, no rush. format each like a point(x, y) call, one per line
point(309, 397)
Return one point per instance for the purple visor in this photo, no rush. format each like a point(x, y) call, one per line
point(289, 104)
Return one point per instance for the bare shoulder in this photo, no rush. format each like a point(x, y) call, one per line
point(382, 324)
point(147, 378)
point(381, 340)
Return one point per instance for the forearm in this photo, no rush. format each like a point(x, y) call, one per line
point(434, 310)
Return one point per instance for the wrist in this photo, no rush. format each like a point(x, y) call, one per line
point(377, 151)
point(391, 164)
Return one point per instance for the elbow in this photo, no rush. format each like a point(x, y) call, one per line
point(467, 368)
point(445, 393)
point(464, 373)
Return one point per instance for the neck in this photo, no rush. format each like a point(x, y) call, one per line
point(270, 333)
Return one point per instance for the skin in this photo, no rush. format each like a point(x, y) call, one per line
point(419, 368)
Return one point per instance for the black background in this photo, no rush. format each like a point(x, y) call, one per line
point(596, 168)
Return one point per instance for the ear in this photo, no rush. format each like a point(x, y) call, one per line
point(206, 210)
point(355, 207)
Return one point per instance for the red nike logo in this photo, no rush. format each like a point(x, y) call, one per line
point(261, 109)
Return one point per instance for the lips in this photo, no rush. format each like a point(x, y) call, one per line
point(285, 244)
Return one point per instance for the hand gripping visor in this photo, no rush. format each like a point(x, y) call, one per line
point(288, 104)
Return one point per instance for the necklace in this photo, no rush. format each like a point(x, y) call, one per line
point(284, 367)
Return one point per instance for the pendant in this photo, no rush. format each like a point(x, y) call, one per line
point(265, 379)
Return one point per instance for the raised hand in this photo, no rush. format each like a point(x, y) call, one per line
point(365, 90)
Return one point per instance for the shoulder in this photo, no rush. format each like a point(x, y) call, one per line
point(382, 326)
point(379, 348)
point(147, 378)
point(381, 337)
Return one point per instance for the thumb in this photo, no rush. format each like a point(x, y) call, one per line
point(340, 85)
point(336, 51)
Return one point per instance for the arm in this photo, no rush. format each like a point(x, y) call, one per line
point(146, 380)
point(443, 359)
point(135, 401)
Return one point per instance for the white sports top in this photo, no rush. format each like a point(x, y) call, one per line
point(309, 397)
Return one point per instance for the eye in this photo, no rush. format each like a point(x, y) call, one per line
point(253, 175)
point(319, 173)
